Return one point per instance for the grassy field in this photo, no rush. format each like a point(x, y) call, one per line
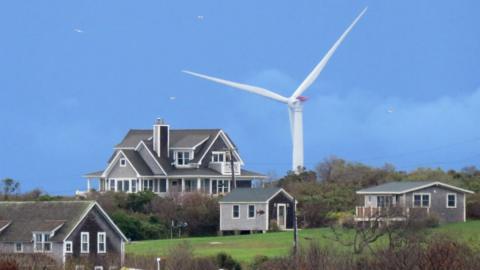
point(245, 247)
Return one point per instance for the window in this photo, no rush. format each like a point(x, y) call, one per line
point(126, 186)
point(190, 185)
point(41, 242)
point(163, 185)
point(134, 186)
point(218, 156)
point(98, 268)
point(451, 200)
point(18, 247)
point(123, 162)
point(112, 185)
point(384, 201)
point(236, 211)
point(84, 242)
point(183, 158)
point(251, 211)
point(119, 185)
point(421, 200)
point(101, 242)
point(68, 247)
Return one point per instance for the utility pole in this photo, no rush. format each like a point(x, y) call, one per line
point(295, 229)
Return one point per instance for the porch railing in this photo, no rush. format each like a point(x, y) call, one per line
point(393, 212)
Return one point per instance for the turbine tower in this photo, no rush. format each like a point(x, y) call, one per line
point(294, 102)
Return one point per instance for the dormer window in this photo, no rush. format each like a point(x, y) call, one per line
point(183, 158)
point(218, 156)
point(123, 162)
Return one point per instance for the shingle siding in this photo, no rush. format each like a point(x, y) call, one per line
point(438, 204)
point(93, 223)
point(228, 223)
point(122, 172)
point(147, 157)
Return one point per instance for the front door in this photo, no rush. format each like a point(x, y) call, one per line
point(282, 216)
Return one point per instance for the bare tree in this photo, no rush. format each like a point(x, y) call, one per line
point(9, 186)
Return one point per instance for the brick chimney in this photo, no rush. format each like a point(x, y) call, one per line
point(161, 138)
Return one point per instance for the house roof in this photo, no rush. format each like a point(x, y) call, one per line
point(406, 186)
point(199, 139)
point(252, 195)
point(28, 217)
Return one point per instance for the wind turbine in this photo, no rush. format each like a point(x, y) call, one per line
point(295, 101)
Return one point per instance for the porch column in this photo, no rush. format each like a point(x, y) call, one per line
point(183, 184)
point(166, 185)
point(210, 186)
point(199, 184)
point(89, 184)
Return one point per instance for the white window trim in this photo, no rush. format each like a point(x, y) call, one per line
point(104, 242)
point(122, 162)
point(98, 268)
point(190, 158)
point(421, 200)
point(233, 211)
point(65, 247)
point(219, 153)
point(254, 211)
point(81, 242)
point(15, 247)
point(454, 194)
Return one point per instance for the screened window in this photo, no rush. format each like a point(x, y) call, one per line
point(251, 211)
point(126, 186)
point(384, 201)
point(190, 185)
point(236, 211)
point(101, 242)
point(183, 158)
point(451, 200)
point(85, 242)
point(123, 162)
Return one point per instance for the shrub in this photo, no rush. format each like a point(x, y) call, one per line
point(8, 264)
point(473, 206)
point(225, 261)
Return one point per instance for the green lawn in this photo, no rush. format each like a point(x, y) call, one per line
point(245, 247)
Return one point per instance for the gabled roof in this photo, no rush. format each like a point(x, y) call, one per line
point(263, 195)
point(59, 216)
point(200, 140)
point(406, 186)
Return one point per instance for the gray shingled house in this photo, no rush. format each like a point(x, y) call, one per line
point(74, 233)
point(408, 198)
point(166, 160)
point(254, 209)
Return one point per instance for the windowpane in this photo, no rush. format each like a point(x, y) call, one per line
point(452, 200)
point(251, 211)
point(134, 185)
point(112, 185)
point(163, 185)
point(425, 200)
point(126, 185)
point(417, 200)
point(236, 211)
point(119, 186)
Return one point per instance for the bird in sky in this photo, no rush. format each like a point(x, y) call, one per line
point(78, 30)
point(390, 110)
point(173, 98)
point(200, 17)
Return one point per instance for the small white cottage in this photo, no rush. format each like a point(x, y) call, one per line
point(256, 209)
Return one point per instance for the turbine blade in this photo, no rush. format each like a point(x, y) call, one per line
point(249, 88)
point(316, 71)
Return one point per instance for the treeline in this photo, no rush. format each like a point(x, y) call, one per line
point(327, 193)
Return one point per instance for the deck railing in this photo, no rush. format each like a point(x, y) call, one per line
point(392, 212)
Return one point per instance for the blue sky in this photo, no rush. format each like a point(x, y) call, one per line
point(403, 88)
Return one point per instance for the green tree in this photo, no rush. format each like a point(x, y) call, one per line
point(9, 186)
